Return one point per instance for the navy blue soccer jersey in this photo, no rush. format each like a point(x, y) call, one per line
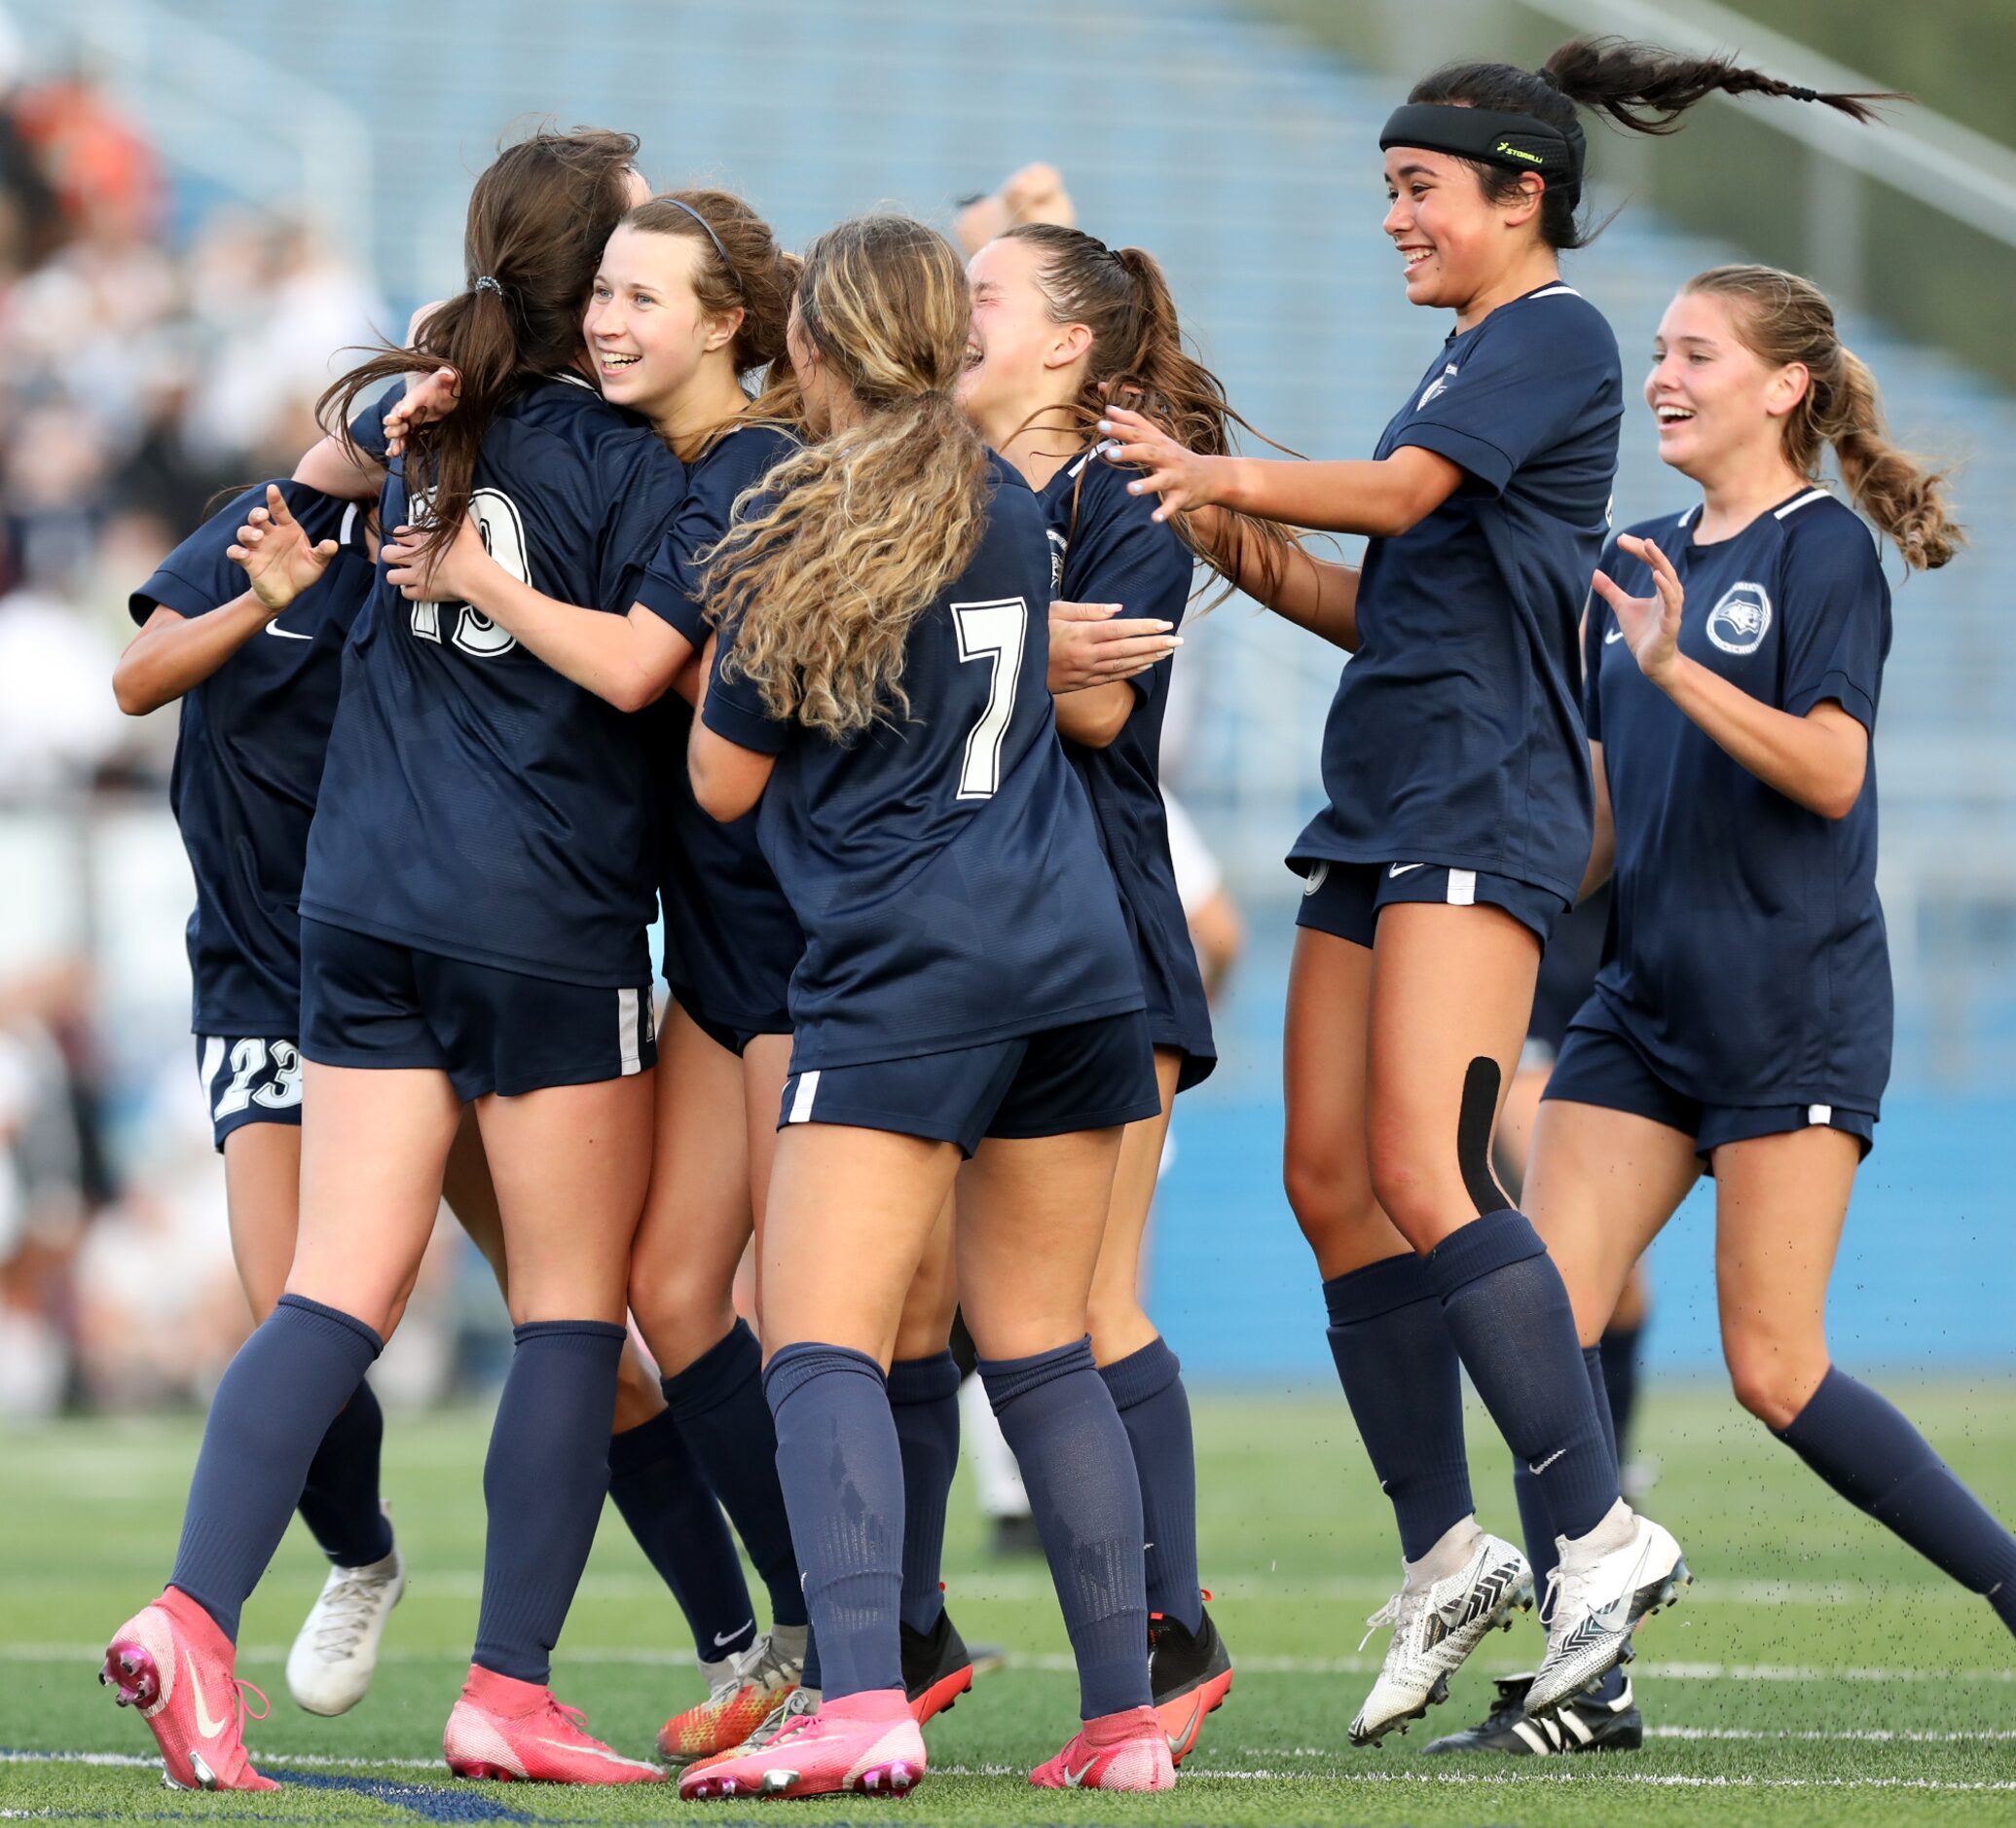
point(1456, 737)
point(943, 865)
point(1107, 548)
point(476, 803)
point(731, 940)
point(248, 761)
point(1750, 964)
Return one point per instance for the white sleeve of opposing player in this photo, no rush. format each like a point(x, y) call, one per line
point(1198, 876)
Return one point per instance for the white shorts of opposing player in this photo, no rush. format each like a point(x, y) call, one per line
point(1605, 1582)
point(1437, 1622)
point(336, 1648)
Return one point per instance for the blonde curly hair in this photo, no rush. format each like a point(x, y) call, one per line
point(841, 547)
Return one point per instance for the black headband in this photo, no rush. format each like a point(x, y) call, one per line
point(734, 277)
point(1517, 142)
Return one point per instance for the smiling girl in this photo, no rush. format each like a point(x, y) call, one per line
point(1456, 832)
point(1742, 1023)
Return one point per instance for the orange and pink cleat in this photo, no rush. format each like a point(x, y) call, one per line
point(172, 1662)
point(867, 1744)
point(516, 1731)
point(1123, 1751)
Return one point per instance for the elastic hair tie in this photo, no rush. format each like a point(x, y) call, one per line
point(487, 284)
point(1552, 80)
point(1794, 91)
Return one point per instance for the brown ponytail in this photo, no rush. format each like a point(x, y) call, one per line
point(1782, 318)
point(538, 219)
point(1638, 86)
point(1138, 358)
point(741, 267)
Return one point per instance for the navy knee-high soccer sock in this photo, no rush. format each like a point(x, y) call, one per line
point(1537, 1520)
point(661, 1493)
point(1509, 1314)
point(339, 1504)
point(1873, 1457)
point(719, 1403)
point(270, 1412)
point(924, 1403)
point(1154, 1410)
point(1404, 1382)
point(1058, 1414)
point(1621, 1348)
point(543, 1482)
point(841, 1471)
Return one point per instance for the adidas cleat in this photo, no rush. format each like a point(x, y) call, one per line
point(755, 1684)
point(1435, 1629)
point(1597, 1595)
point(336, 1648)
point(512, 1731)
point(937, 1667)
point(172, 1662)
point(1190, 1674)
point(1579, 1724)
point(867, 1744)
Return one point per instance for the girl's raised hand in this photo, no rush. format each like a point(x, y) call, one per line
point(452, 572)
point(1651, 625)
point(278, 561)
point(427, 397)
point(1092, 644)
point(1180, 477)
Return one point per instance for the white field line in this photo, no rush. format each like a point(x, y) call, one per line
point(1053, 1662)
point(1608, 1775)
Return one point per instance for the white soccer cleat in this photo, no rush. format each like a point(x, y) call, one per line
point(1627, 1567)
point(1435, 1628)
point(336, 1648)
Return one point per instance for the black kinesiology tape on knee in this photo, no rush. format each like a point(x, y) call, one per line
point(1474, 1136)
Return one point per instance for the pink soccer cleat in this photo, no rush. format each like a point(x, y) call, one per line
point(172, 1662)
point(867, 1744)
point(515, 1731)
point(1123, 1751)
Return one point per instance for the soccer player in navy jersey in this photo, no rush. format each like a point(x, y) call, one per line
point(1456, 832)
point(967, 995)
point(479, 879)
point(1743, 1021)
point(1058, 317)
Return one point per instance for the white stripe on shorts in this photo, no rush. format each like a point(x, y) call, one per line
point(626, 1032)
point(1462, 888)
point(1819, 1113)
point(213, 1058)
point(801, 1099)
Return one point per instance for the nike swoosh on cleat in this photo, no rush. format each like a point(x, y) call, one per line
point(722, 1642)
point(598, 1751)
point(1076, 1781)
point(1177, 1740)
point(205, 1723)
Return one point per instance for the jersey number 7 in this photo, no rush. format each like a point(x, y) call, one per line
point(994, 632)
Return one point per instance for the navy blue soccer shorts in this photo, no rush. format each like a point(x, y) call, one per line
point(372, 1003)
point(730, 1035)
point(248, 1078)
point(1087, 1077)
point(1598, 1066)
point(1345, 898)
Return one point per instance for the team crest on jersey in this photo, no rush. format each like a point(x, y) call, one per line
point(1739, 623)
point(1439, 386)
point(1058, 547)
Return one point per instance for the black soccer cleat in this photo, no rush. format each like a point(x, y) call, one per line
point(937, 1668)
point(1189, 1676)
point(1580, 1724)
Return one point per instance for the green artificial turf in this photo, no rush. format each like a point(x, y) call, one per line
point(1817, 1672)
